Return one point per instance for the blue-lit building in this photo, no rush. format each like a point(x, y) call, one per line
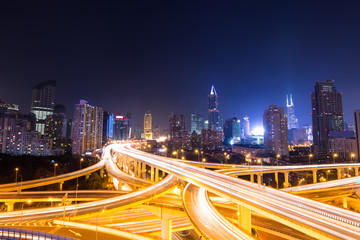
point(232, 131)
point(108, 127)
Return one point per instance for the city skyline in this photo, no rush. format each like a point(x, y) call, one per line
point(254, 54)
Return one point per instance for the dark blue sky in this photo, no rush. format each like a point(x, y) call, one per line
point(163, 56)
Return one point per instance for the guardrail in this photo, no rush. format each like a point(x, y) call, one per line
point(17, 233)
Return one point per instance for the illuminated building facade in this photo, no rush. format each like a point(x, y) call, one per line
point(327, 114)
point(87, 128)
point(357, 131)
point(43, 102)
point(197, 123)
point(213, 111)
point(232, 131)
point(275, 131)
point(147, 126)
point(245, 127)
point(292, 120)
point(176, 125)
point(121, 128)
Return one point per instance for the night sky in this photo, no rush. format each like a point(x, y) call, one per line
point(132, 56)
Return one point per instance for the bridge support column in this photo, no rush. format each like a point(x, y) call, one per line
point(152, 174)
point(162, 174)
point(277, 179)
point(166, 229)
point(345, 202)
point(61, 186)
point(156, 175)
point(286, 177)
point(9, 206)
point(135, 168)
point(258, 176)
point(244, 218)
point(314, 176)
point(338, 173)
point(252, 178)
point(143, 170)
point(356, 171)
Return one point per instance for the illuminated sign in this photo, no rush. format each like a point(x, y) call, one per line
point(119, 117)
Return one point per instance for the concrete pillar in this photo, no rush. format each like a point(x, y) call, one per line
point(61, 186)
point(277, 179)
point(344, 202)
point(156, 175)
point(166, 229)
point(258, 176)
point(286, 177)
point(314, 176)
point(135, 168)
point(9, 206)
point(152, 174)
point(338, 173)
point(244, 218)
point(143, 170)
point(87, 177)
point(162, 174)
point(356, 171)
point(251, 177)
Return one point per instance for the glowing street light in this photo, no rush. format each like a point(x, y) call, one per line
point(334, 156)
point(55, 165)
point(16, 173)
point(22, 211)
point(197, 152)
point(310, 156)
point(352, 157)
point(175, 153)
point(277, 159)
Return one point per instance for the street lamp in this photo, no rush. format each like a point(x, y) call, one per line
point(277, 159)
point(310, 156)
point(352, 157)
point(197, 152)
point(81, 160)
point(260, 161)
point(16, 173)
point(22, 210)
point(103, 210)
point(334, 156)
point(55, 165)
point(176, 153)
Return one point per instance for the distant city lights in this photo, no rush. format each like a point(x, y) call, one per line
point(258, 130)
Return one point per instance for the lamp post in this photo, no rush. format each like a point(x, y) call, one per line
point(197, 152)
point(277, 159)
point(260, 161)
point(204, 160)
point(352, 157)
point(22, 210)
point(334, 156)
point(103, 210)
point(55, 165)
point(310, 156)
point(16, 173)
point(175, 153)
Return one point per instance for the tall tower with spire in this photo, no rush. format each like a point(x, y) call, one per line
point(292, 119)
point(213, 109)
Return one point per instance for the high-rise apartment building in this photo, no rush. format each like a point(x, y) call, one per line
point(87, 128)
point(327, 114)
point(213, 111)
point(43, 102)
point(121, 128)
point(176, 125)
point(357, 131)
point(275, 131)
point(292, 119)
point(197, 123)
point(147, 126)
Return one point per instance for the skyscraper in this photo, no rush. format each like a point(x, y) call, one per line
point(357, 131)
point(292, 120)
point(43, 102)
point(148, 126)
point(197, 123)
point(232, 130)
point(108, 127)
point(121, 128)
point(276, 131)
point(327, 114)
point(176, 125)
point(213, 109)
point(87, 128)
point(246, 126)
